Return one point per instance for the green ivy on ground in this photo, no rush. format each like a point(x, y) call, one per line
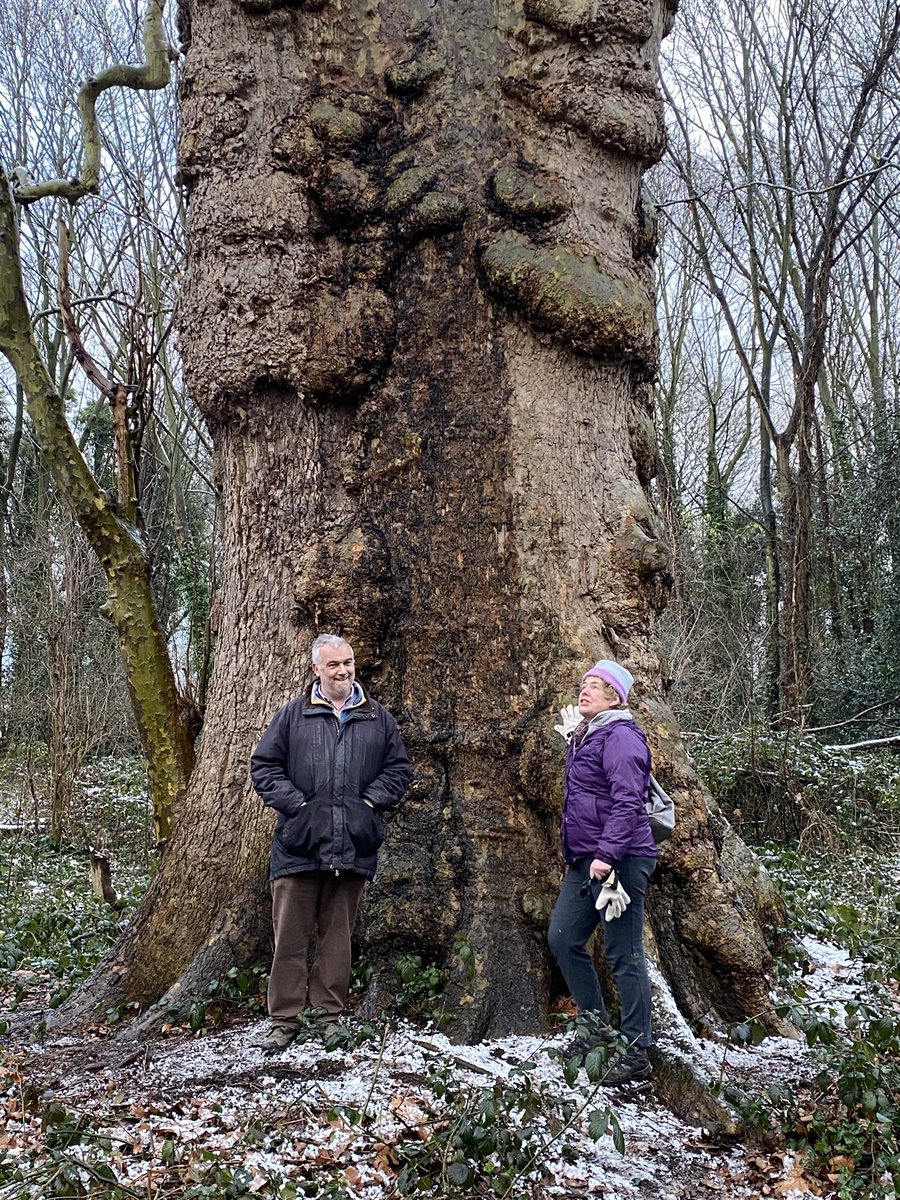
point(53, 929)
point(849, 1122)
point(841, 882)
point(492, 1142)
point(833, 823)
point(852, 900)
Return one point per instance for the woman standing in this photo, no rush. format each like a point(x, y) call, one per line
point(609, 849)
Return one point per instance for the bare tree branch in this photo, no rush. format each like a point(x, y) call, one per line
point(154, 74)
point(772, 186)
point(88, 364)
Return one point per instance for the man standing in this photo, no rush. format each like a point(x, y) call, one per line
point(330, 762)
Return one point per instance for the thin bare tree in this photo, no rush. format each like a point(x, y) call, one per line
point(110, 301)
point(786, 154)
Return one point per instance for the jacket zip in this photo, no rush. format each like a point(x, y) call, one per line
point(334, 805)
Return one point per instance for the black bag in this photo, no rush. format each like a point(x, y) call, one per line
point(660, 810)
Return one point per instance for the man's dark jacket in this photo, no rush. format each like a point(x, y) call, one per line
point(316, 773)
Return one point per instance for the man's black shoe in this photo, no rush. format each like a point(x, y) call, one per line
point(278, 1037)
point(627, 1068)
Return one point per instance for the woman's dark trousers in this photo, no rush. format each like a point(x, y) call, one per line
point(575, 919)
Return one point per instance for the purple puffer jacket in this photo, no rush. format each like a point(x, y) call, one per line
point(605, 788)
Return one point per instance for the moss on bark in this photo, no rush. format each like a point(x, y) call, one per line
point(520, 195)
point(566, 294)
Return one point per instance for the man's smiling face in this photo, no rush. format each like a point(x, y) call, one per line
point(336, 671)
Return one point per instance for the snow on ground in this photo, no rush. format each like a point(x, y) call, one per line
point(204, 1093)
point(831, 975)
point(831, 980)
point(356, 1112)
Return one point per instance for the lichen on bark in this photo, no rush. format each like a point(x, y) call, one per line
point(411, 78)
point(344, 125)
point(436, 212)
point(409, 186)
point(641, 537)
point(632, 19)
point(524, 195)
point(625, 118)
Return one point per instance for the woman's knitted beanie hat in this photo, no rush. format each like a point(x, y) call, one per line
point(616, 676)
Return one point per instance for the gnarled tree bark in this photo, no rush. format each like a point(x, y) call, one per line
point(418, 318)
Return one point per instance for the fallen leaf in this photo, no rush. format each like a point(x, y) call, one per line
point(797, 1182)
point(324, 1157)
point(385, 1160)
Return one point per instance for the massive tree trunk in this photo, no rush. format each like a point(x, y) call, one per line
point(418, 317)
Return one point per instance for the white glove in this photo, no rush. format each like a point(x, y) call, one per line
point(570, 719)
point(613, 898)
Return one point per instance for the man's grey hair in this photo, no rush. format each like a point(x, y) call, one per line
point(326, 639)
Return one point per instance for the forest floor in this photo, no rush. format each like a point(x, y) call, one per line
point(396, 1111)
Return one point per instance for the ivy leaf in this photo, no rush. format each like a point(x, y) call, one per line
point(758, 1032)
point(598, 1123)
point(618, 1136)
point(460, 1174)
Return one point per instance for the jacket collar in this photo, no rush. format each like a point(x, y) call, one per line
point(357, 697)
point(358, 705)
point(601, 721)
point(608, 718)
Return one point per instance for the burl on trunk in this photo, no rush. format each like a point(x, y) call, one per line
point(418, 318)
